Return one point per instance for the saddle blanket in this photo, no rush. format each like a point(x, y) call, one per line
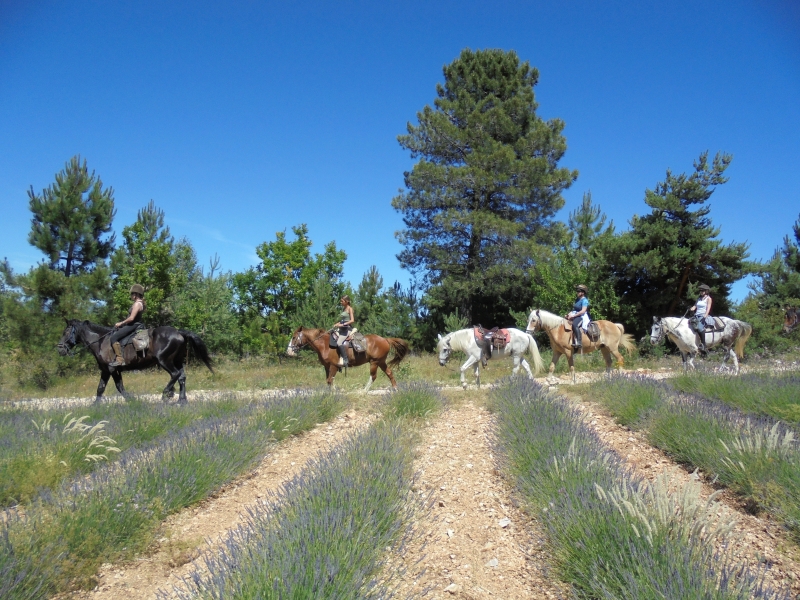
point(499, 337)
point(140, 338)
point(713, 324)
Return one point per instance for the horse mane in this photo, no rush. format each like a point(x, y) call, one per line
point(456, 336)
point(93, 327)
point(549, 320)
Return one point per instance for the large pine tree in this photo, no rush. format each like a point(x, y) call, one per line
point(485, 189)
point(71, 217)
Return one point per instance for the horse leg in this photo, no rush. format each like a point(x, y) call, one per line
point(101, 387)
point(571, 361)
point(470, 361)
point(515, 369)
point(118, 382)
point(527, 367)
point(556, 356)
point(373, 373)
point(182, 382)
point(385, 368)
point(332, 370)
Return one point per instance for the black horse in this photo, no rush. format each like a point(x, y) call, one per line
point(168, 349)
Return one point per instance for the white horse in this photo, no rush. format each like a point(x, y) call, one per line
point(733, 338)
point(464, 340)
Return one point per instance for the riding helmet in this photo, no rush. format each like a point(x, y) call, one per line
point(137, 289)
point(703, 286)
point(582, 288)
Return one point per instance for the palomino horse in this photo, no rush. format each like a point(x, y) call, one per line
point(168, 349)
point(732, 338)
point(377, 350)
point(612, 335)
point(464, 340)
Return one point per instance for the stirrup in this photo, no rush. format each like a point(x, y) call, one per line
point(117, 363)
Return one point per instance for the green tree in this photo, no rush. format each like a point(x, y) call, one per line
point(70, 219)
point(485, 189)
point(204, 305)
point(658, 263)
point(285, 276)
point(150, 257)
point(586, 225)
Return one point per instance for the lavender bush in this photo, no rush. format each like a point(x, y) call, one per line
point(112, 513)
point(611, 534)
point(325, 533)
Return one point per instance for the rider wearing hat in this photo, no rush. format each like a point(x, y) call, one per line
point(580, 308)
point(701, 310)
point(128, 325)
point(343, 328)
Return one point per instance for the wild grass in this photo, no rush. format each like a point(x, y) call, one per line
point(324, 534)
point(756, 457)
point(774, 395)
point(611, 534)
point(62, 537)
point(38, 450)
point(413, 400)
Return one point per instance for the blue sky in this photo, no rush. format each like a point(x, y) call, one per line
point(241, 119)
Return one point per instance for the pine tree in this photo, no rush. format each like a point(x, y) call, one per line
point(485, 189)
point(70, 219)
point(658, 263)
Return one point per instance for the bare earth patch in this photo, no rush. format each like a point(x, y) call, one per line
point(473, 543)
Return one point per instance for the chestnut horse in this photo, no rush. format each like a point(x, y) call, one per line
point(377, 350)
point(612, 335)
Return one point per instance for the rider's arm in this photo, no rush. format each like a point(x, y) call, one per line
point(135, 310)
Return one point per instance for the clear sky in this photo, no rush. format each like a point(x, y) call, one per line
point(244, 118)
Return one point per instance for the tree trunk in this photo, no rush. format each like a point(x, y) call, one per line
point(679, 295)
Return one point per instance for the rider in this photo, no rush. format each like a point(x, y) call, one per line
point(343, 327)
point(127, 325)
point(580, 308)
point(702, 309)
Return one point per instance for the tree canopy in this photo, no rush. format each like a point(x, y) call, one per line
point(485, 189)
point(658, 263)
point(70, 218)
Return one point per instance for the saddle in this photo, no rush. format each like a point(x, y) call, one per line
point(592, 329)
point(355, 340)
point(489, 339)
point(713, 324)
point(140, 339)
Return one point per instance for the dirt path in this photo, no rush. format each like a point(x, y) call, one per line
point(189, 533)
point(473, 543)
point(759, 540)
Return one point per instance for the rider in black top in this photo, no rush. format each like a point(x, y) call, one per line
point(127, 325)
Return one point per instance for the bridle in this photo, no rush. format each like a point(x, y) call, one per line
point(303, 342)
point(72, 341)
point(539, 325)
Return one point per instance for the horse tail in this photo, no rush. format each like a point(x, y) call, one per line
point(533, 348)
point(400, 348)
point(747, 330)
point(199, 347)
point(625, 339)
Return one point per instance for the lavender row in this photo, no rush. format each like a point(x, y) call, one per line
point(611, 534)
point(61, 538)
point(755, 456)
point(325, 533)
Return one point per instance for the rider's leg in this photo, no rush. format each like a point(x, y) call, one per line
point(120, 333)
point(576, 332)
point(343, 361)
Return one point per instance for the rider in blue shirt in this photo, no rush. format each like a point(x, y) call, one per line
point(580, 308)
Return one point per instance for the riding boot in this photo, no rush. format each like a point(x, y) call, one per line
point(118, 361)
point(577, 342)
point(343, 361)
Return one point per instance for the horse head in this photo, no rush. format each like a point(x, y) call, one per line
point(534, 322)
point(297, 341)
point(68, 338)
point(444, 349)
point(657, 331)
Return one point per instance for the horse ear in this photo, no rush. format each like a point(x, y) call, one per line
point(655, 319)
point(438, 336)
